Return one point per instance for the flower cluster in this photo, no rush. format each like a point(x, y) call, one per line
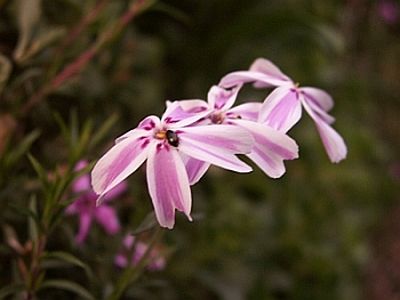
point(191, 135)
point(85, 206)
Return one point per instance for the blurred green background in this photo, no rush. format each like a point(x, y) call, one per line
point(323, 231)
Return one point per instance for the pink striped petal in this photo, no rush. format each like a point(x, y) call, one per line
point(107, 217)
point(175, 116)
point(247, 111)
point(118, 163)
point(240, 77)
point(217, 144)
point(192, 106)
point(281, 110)
point(322, 114)
point(271, 148)
point(195, 168)
point(222, 99)
point(134, 133)
point(266, 67)
point(168, 184)
point(319, 97)
point(144, 128)
point(334, 144)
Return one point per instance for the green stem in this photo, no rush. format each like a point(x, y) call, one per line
point(133, 272)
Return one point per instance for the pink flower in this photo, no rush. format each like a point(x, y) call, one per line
point(389, 10)
point(282, 109)
point(85, 206)
point(271, 147)
point(161, 143)
point(133, 252)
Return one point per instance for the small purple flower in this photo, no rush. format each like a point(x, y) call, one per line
point(161, 143)
point(282, 109)
point(133, 251)
point(389, 11)
point(271, 146)
point(85, 206)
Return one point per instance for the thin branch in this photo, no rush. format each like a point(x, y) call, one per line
point(84, 58)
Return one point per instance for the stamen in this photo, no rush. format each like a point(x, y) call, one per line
point(217, 118)
point(161, 135)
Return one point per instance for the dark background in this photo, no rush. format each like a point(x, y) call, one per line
point(323, 231)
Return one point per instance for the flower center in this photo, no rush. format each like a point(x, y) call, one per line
point(170, 136)
point(217, 118)
point(161, 134)
point(296, 89)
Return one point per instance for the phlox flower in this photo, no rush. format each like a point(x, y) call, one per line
point(282, 109)
point(271, 147)
point(133, 251)
point(85, 206)
point(160, 142)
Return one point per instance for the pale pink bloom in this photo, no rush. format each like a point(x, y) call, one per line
point(161, 143)
point(85, 206)
point(282, 109)
point(133, 251)
point(271, 146)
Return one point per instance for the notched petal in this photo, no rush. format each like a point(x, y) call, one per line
point(168, 184)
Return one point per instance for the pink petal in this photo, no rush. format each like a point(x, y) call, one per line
point(85, 220)
point(72, 209)
point(192, 106)
point(334, 144)
point(281, 110)
point(222, 99)
point(175, 116)
point(107, 217)
point(168, 184)
point(266, 67)
point(140, 250)
point(318, 110)
point(195, 168)
point(241, 77)
point(118, 163)
point(128, 241)
point(82, 183)
point(319, 97)
point(271, 148)
point(144, 128)
point(121, 260)
point(217, 144)
point(246, 111)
